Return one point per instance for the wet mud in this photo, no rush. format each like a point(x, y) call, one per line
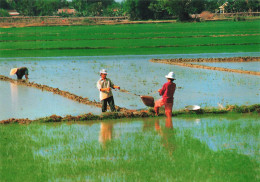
point(137, 114)
point(187, 63)
point(84, 117)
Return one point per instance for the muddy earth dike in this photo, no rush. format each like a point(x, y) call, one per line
point(137, 114)
point(186, 63)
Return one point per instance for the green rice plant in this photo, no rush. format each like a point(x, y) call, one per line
point(74, 151)
point(244, 108)
point(172, 38)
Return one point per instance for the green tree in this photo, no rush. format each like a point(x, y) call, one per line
point(92, 7)
point(180, 8)
point(4, 4)
point(139, 9)
point(159, 9)
point(79, 5)
point(4, 13)
point(242, 5)
point(197, 6)
point(253, 5)
point(37, 7)
point(212, 6)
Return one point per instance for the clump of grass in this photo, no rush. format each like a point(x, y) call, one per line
point(230, 108)
point(88, 21)
point(88, 116)
point(244, 109)
point(239, 18)
point(52, 118)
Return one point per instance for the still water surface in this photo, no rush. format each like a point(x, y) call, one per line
point(136, 74)
point(246, 66)
point(24, 102)
point(232, 133)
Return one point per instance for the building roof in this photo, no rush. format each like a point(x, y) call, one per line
point(13, 13)
point(67, 10)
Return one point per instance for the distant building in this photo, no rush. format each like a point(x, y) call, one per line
point(66, 10)
point(222, 8)
point(13, 13)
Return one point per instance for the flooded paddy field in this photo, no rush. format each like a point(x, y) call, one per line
point(18, 101)
point(137, 76)
point(199, 148)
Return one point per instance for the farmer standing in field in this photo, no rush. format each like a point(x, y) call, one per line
point(20, 72)
point(167, 92)
point(104, 85)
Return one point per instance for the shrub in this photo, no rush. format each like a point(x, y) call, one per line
point(64, 14)
point(4, 13)
point(88, 21)
point(239, 18)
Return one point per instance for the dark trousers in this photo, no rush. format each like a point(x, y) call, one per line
point(110, 101)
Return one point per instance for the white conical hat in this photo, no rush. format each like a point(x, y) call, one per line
point(170, 75)
point(103, 71)
point(13, 71)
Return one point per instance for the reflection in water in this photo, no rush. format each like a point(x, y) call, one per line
point(167, 133)
point(14, 91)
point(168, 123)
point(105, 134)
point(14, 95)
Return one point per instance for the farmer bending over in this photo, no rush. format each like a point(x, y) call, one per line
point(167, 92)
point(20, 72)
point(104, 85)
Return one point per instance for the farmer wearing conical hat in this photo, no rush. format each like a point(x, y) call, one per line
point(167, 92)
point(104, 85)
point(20, 72)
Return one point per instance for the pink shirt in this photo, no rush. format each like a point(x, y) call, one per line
point(167, 92)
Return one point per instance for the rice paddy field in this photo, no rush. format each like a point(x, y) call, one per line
point(135, 74)
point(192, 147)
point(137, 39)
point(222, 148)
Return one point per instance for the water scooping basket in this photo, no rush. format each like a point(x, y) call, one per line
point(148, 100)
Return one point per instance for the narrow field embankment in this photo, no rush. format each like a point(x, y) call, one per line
point(186, 63)
point(253, 109)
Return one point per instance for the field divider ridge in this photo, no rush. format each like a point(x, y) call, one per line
point(186, 63)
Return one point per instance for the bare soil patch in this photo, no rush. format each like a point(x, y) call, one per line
point(7, 22)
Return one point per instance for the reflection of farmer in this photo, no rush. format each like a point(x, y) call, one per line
point(20, 72)
point(167, 92)
point(105, 132)
point(104, 85)
point(168, 134)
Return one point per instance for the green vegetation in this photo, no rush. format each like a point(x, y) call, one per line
point(4, 13)
point(137, 39)
point(135, 9)
point(138, 150)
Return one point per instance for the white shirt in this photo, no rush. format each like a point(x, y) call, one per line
point(105, 84)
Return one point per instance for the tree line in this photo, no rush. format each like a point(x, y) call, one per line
point(135, 9)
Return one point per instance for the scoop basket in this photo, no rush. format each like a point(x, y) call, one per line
point(148, 100)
